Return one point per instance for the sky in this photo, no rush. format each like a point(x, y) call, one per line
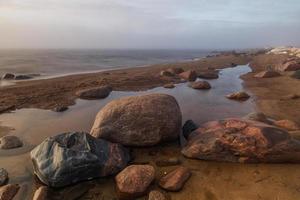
point(149, 24)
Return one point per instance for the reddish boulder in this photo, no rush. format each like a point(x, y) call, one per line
point(134, 181)
point(189, 75)
point(175, 180)
point(200, 85)
point(239, 96)
point(237, 140)
point(8, 192)
point(287, 125)
point(267, 74)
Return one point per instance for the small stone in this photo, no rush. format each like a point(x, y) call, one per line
point(189, 75)
point(200, 85)
point(10, 142)
point(60, 108)
point(41, 193)
point(167, 162)
point(287, 125)
point(175, 180)
point(156, 195)
point(8, 192)
point(240, 96)
point(169, 85)
point(3, 176)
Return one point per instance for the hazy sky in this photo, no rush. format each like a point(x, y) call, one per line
point(149, 23)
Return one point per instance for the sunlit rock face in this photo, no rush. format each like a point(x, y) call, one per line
point(239, 140)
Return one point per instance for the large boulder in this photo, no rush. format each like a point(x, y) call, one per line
point(238, 140)
point(8, 192)
point(166, 73)
point(175, 180)
point(139, 121)
point(72, 157)
point(189, 75)
point(267, 74)
point(134, 181)
point(94, 93)
point(10, 142)
point(200, 85)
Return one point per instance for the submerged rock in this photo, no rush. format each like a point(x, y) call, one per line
point(156, 195)
point(8, 76)
point(139, 121)
point(169, 85)
point(3, 176)
point(10, 142)
point(175, 180)
point(238, 140)
point(189, 75)
point(94, 93)
point(208, 75)
point(200, 85)
point(72, 157)
point(8, 192)
point(239, 96)
point(267, 74)
point(287, 125)
point(134, 181)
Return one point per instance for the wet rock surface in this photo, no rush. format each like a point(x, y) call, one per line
point(175, 180)
point(238, 140)
point(144, 120)
point(3, 176)
point(134, 181)
point(267, 74)
point(23, 77)
point(94, 93)
point(69, 158)
point(189, 75)
point(200, 85)
point(239, 96)
point(9, 191)
point(10, 142)
point(156, 195)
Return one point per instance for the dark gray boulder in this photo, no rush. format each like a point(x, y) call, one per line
point(69, 158)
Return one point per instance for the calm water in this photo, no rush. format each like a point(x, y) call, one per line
point(57, 62)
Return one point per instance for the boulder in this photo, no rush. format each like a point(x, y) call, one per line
point(134, 181)
point(239, 140)
point(41, 193)
point(8, 192)
point(156, 195)
point(169, 85)
point(175, 70)
point(296, 74)
point(200, 85)
point(287, 125)
point(239, 96)
point(94, 93)
point(258, 116)
point(69, 158)
point(208, 75)
point(8, 76)
point(267, 74)
point(144, 120)
point(175, 180)
point(3, 176)
point(166, 73)
point(189, 75)
point(10, 142)
point(289, 66)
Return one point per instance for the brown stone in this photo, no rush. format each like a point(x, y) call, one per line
point(10, 142)
point(267, 74)
point(200, 85)
point(156, 195)
point(189, 75)
point(289, 66)
point(41, 193)
point(175, 180)
point(8, 192)
point(134, 181)
point(238, 140)
point(240, 96)
point(94, 93)
point(144, 120)
point(287, 125)
point(169, 85)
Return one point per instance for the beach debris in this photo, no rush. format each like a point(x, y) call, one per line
point(296, 74)
point(267, 74)
point(175, 180)
point(8, 192)
point(208, 75)
point(167, 162)
point(175, 70)
point(200, 85)
point(156, 195)
point(289, 66)
point(166, 73)
point(258, 116)
point(287, 125)
point(60, 108)
point(144, 120)
point(8, 76)
point(69, 158)
point(94, 93)
point(239, 96)
point(41, 193)
point(169, 85)
point(134, 181)
point(10, 142)
point(3, 176)
point(244, 141)
point(189, 75)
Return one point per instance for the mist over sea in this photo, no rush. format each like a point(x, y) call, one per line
point(59, 62)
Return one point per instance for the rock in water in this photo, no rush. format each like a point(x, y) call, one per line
point(287, 125)
point(134, 180)
point(169, 85)
point(189, 75)
point(267, 74)
point(238, 140)
point(175, 180)
point(3, 176)
point(10, 142)
point(139, 121)
point(258, 116)
point(8, 192)
point(94, 93)
point(72, 157)
point(8, 76)
point(208, 75)
point(200, 85)
point(239, 96)
point(156, 195)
